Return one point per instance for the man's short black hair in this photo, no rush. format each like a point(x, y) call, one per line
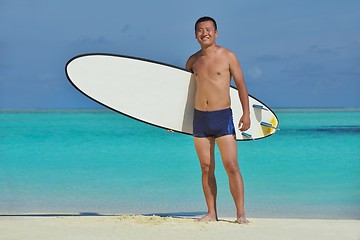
point(204, 19)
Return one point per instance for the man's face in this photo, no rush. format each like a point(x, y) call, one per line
point(205, 33)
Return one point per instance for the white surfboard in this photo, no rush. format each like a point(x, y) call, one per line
point(155, 93)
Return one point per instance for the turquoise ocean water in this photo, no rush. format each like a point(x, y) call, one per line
point(102, 162)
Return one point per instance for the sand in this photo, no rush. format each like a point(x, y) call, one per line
point(161, 228)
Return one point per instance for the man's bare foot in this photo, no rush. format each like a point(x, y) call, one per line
point(242, 220)
point(207, 218)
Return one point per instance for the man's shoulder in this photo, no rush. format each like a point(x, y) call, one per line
point(225, 51)
point(227, 54)
point(191, 60)
point(195, 55)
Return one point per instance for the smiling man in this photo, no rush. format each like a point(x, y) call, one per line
point(213, 67)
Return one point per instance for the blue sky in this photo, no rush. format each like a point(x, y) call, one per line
point(293, 53)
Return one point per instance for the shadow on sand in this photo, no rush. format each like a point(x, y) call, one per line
point(191, 215)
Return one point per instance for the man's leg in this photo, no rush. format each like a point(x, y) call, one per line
point(205, 151)
point(228, 150)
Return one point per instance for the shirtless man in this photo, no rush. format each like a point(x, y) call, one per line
point(213, 67)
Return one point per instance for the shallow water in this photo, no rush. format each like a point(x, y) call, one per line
point(102, 162)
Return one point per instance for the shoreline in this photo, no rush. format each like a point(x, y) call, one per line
point(184, 215)
point(52, 226)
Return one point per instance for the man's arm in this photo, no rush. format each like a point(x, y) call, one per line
point(189, 63)
point(236, 72)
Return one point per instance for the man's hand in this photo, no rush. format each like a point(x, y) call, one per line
point(244, 123)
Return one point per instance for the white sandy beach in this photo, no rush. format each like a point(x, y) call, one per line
point(161, 228)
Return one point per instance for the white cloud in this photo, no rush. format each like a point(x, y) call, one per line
point(255, 72)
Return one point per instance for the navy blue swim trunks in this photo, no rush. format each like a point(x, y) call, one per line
point(213, 124)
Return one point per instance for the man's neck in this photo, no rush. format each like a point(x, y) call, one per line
point(208, 49)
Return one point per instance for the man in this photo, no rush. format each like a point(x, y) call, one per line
point(213, 67)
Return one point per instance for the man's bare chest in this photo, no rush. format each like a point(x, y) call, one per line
point(210, 67)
